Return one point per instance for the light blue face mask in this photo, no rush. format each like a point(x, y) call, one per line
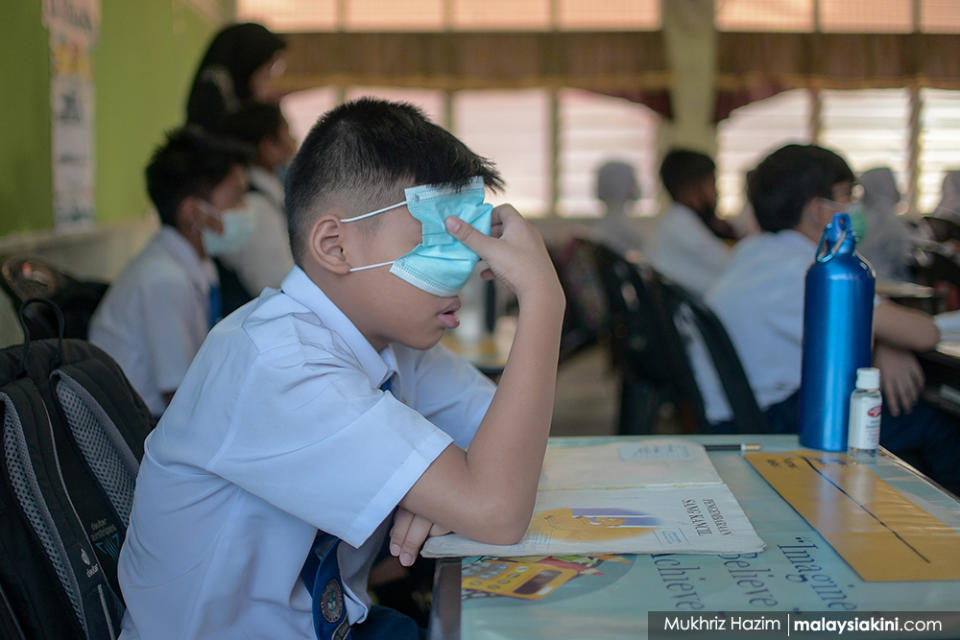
point(440, 264)
point(239, 226)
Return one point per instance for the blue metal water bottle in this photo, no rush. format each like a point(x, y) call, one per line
point(837, 335)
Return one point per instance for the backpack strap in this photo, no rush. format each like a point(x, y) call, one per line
point(9, 625)
point(32, 469)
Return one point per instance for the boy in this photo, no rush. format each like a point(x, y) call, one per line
point(795, 191)
point(157, 312)
point(689, 247)
point(267, 259)
point(312, 413)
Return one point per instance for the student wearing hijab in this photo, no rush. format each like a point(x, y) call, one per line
point(239, 65)
point(617, 188)
point(884, 239)
point(949, 206)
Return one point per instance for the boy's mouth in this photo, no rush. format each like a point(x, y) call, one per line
point(448, 316)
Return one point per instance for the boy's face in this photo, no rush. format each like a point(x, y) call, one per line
point(228, 194)
point(386, 308)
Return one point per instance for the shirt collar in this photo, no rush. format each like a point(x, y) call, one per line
point(796, 240)
point(200, 270)
point(301, 288)
point(266, 183)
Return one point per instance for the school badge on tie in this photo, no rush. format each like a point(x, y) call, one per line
point(321, 575)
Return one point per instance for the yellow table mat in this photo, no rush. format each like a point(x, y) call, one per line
point(877, 530)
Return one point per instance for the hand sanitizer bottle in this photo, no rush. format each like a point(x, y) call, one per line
point(865, 406)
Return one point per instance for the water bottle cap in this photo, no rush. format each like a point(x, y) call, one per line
point(868, 378)
point(837, 227)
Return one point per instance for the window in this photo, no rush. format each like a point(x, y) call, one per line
point(870, 16)
point(593, 130)
point(511, 128)
point(436, 15)
point(764, 15)
point(750, 133)
point(939, 142)
point(870, 128)
point(303, 108)
point(290, 15)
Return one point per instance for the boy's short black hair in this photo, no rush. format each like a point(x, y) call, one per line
point(253, 122)
point(189, 163)
point(786, 180)
point(837, 167)
point(363, 150)
point(682, 168)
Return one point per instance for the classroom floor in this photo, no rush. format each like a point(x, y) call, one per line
point(588, 396)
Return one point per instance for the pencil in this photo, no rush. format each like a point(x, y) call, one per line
point(741, 446)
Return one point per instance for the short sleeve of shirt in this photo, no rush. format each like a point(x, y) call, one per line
point(311, 436)
point(452, 393)
point(170, 315)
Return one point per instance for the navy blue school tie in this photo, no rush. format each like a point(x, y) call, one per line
point(321, 575)
point(216, 304)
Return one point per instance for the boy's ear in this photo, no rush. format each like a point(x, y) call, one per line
point(325, 244)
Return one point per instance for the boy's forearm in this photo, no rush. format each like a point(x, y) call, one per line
point(506, 455)
point(904, 328)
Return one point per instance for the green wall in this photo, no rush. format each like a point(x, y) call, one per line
point(25, 200)
point(143, 63)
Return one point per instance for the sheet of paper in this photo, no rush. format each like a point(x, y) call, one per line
point(645, 496)
point(644, 463)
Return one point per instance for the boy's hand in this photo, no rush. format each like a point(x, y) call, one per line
point(515, 252)
point(901, 378)
point(408, 534)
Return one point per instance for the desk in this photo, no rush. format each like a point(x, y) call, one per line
point(941, 367)
point(910, 294)
point(615, 605)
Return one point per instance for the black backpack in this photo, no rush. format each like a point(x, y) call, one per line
point(72, 440)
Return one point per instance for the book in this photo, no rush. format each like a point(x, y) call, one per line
point(656, 495)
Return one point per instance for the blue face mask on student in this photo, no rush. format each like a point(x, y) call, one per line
point(440, 264)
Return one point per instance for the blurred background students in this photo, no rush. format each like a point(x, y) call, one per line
point(157, 312)
point(949, 206)
point(884, 238)
point(238, 66)
point(795, 191)
point(689, 246)
point(266, 259)
point(617, 188)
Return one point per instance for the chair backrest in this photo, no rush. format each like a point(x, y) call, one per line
point(643, 339)
point(585, 321)
point(696, 321)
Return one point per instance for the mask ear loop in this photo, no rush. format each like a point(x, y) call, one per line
point(373, 213)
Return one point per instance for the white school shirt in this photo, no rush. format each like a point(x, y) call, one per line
point(280, 429)
point(759, 299)
point(267, 259)
point(156, 314)
point(686, 251)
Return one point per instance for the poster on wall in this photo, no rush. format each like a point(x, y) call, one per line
point(73, 26)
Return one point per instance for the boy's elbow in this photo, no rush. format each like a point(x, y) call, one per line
point(504, 523)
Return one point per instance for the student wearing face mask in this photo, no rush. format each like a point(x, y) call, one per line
point(266, 259)
point(324, 419)
point(157, 312)
point(691, 243)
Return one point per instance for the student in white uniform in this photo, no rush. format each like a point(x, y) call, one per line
point(157, 312)
point(266, 260)
point(795, 192)
point(690, 244)
point(327, 411)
